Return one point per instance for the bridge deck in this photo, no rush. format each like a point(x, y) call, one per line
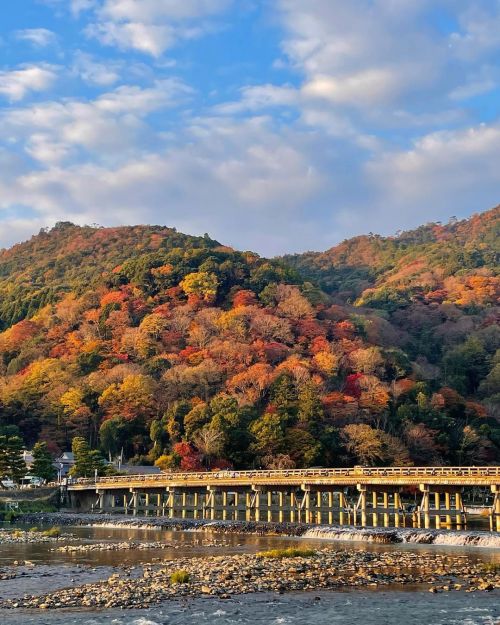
point(382, 476)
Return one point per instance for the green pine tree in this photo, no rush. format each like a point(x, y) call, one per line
point(98, 463)
point(284, 397)
point(87, 460)
point(83, 461)
point(43, 464)
point(16, 467)
point(4, 465)
point(310, 410)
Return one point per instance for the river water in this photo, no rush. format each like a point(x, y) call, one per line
point(356, 607)
point(378, 607)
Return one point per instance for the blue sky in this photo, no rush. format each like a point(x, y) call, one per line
point(273, 125)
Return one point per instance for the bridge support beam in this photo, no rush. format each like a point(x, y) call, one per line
point(322, 504)
point(495, 509)
point(105, 501)
point(379, 503)
point(438, 511)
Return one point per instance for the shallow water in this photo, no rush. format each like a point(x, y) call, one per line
point(378, 607)
point(361, 607)
point(198, 544)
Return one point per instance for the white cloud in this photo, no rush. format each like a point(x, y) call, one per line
point(39, 37)
point(107, 128)
point(369, 65)
point(479, 32)
point(75, 7)
point(361, 52)
point(445, 173)
point(79, 6)
point(257, 98)
point(241, 181)
point(101, 74)
point(16, 84)
point(150, 11)
point(371, 86)
point(474, 88)
point(152, 26)
point(148, 38)
point(436, 157)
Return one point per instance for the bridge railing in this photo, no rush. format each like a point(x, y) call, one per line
point(361, 472)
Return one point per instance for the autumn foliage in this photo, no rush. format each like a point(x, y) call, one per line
point(183, 352)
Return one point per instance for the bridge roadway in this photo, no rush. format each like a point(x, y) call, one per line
point(311, 495)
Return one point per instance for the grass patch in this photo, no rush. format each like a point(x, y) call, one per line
point(180, 577)
point(291, 552)
point(491, 567)
point(53, 532)
point(25, 507)
point(33, 529)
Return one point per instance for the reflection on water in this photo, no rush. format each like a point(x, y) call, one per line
point(187, 544)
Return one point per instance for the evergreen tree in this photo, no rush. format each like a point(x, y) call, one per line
point(43, 465)
point(310, 410)
point(83, 461)
point(87, 461)
point(97, 462)
point(4, 465)
point(284, 397)
point(17, 465)
point(12, 464)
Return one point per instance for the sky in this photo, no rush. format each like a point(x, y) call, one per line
point(273, 125)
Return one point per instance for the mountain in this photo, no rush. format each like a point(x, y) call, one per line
point(183, 351)
point(71, 258)
point(457, 262)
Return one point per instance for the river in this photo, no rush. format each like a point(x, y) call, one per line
point(54, 569)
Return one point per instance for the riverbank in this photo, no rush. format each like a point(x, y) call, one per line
point(466, 538)
point(17, 536)
point(227, 576)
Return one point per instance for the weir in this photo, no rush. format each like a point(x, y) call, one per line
point(361, 496)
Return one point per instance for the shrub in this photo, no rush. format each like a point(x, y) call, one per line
point(180, 577)
point(290, 552)
point(491, 567)
point(53, 532)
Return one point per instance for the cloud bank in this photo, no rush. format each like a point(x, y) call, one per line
point(371, 115)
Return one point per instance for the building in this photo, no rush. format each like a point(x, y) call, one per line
point(28, 459)
point(64, 463)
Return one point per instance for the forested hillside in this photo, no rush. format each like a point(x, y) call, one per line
point(182, 351)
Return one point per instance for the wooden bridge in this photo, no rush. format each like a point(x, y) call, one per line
point(356, 496)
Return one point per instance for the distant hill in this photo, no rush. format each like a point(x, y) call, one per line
point(71, 258)
point(183, 351)
point(457, 262)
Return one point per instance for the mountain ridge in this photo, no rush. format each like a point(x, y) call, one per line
point(195, 355)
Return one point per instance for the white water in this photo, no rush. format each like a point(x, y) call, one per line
point(124, 525)
point(415, 536)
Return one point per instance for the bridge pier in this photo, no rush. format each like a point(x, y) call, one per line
point(426, 511)
point(495, 509)
point(380, 502)
point(323, 504)
point(229, 504)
